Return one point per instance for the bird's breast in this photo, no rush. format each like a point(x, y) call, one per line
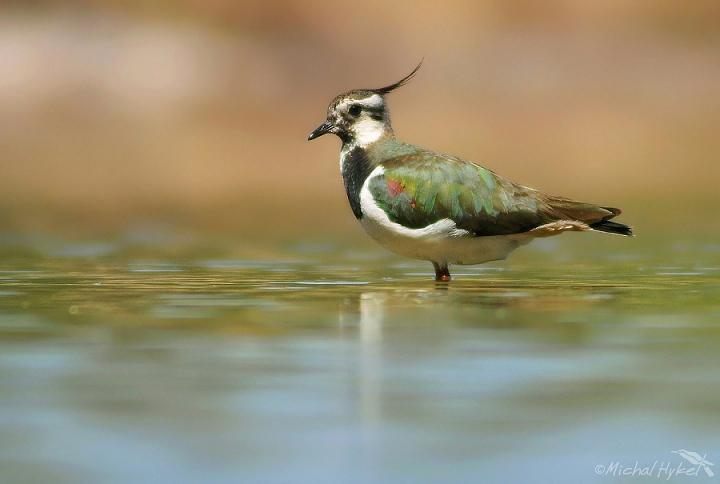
point(355, 167)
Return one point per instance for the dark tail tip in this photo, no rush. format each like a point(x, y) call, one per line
point(612, 228)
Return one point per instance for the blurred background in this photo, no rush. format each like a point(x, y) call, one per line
point(194, 114)
point(185, 295)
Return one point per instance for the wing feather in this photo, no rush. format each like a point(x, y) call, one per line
point(420, 188)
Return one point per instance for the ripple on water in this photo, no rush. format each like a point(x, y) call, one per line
point(679, 273)
point(331, 283)
point(511, 294)
point(196, 306)
point(597, 297)
point(236, 264)
point(176, 312)
point(153, 266)
point(211, 300)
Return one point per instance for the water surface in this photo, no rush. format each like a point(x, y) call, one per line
point(324, 364)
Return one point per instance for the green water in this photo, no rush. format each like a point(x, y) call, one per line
point(319, 363)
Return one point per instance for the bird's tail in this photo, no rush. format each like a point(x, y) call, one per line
point(612, 228)
point(597, 218)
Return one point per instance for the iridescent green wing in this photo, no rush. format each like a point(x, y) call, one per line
point(419, 189)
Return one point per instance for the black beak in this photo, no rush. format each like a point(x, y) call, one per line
point(320, 130)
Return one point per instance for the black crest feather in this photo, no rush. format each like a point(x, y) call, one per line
point(400, 83)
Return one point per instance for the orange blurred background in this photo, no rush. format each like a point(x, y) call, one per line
point(195, 113)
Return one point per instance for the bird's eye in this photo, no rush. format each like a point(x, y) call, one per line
point(355, 110)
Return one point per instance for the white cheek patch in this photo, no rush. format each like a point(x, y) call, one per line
point(368, 131)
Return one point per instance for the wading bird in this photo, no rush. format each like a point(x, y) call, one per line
point(436, 207)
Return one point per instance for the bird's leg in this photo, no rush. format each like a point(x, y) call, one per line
point(442, 274)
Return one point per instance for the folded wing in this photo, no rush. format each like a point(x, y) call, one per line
point(419, 189)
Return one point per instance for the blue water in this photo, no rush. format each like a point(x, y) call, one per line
point(120, 365)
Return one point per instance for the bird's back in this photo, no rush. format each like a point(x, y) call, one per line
point(419, 187)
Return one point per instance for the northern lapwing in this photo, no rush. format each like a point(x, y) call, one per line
point(436, 207)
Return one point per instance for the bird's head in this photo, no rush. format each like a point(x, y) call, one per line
point(360, 117)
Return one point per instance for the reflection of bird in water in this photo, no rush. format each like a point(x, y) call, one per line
point(435, 207)
point(696, 459)
point(372, 316)
point(367, 310)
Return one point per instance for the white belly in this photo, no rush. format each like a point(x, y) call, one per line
point(440, 242)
